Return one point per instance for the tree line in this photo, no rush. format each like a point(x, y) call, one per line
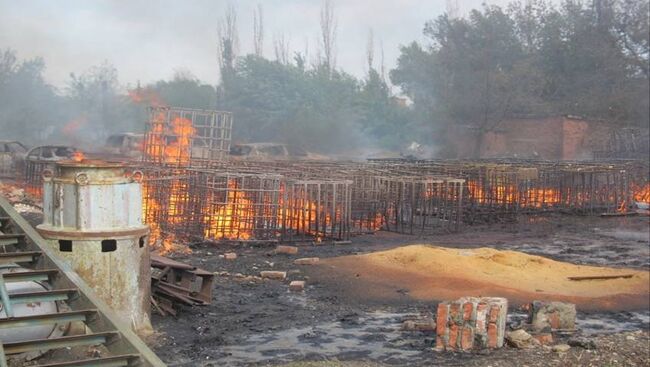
point(530, 58)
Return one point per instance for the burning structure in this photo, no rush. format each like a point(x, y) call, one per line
point(193, 192)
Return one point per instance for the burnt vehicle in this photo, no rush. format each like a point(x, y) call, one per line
point(272, 151)
point(44, 157)
point(12, 155)
point(124, 145)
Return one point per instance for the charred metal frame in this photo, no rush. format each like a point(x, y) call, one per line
point(182, 137)
point(316, 209)
point(167, 205)
point(423, 206)
point(237, 206)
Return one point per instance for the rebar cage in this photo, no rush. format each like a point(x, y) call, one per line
point(237, 206)
point(181, 137)
point(316, 209)
point(167, 203)
point(423, 206)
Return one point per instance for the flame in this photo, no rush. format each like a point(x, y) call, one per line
point(72, 126)
point(78, 156)
point(232, 220)
point(374, 224)
point(145, 96)
point(305, 216)
point(153, 209)
point(641, 193)
point(169, 143)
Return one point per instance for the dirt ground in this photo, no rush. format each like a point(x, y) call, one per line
point(260, 323)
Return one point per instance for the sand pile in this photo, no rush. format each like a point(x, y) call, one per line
point(435, 273)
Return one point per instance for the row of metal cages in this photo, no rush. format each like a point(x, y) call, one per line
point(497, 190)
point(493, 190)
point(220, 205)
point(209, 205)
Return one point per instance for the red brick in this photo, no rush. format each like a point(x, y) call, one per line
point(467, 338)
point(467, 311)
point(442, 318)
point(494, 314)
point(454, 312)
point(554, 320)
point(492, 335)
point(453, 336)
point(440, 343)
point(481, 318)
point(544, 338)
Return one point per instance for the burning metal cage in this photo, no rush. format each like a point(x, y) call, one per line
point(168, 203)
point(237, 206)
point(316, 209)
point(181, 137)
point(423, 206)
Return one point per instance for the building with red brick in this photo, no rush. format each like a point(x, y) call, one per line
point(554, 138)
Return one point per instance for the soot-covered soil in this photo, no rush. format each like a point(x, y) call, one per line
point(259, 322)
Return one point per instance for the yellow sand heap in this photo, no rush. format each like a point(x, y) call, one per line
point(430, 272)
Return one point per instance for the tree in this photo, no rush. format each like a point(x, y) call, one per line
point(30, 109)
point(258, 31)
point(328, 25)
point(532, 59)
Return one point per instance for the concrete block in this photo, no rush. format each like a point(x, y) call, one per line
point(297, 286)
point(288, 250)
point(278, 275)
point(548, 316)
point(307, 261)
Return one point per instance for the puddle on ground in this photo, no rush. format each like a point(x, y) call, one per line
point(377, 336)
point(627, 253)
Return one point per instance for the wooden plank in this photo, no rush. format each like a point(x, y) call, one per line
point(601, 277)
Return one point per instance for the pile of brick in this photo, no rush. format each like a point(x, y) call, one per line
point(471, 323)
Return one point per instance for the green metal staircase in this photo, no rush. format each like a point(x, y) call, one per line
point(21, 244)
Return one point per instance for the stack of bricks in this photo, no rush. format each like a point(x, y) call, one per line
point(471, 323)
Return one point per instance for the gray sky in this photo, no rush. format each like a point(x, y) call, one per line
point(148, 40)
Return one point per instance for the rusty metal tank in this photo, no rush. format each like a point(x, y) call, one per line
point(93, 219)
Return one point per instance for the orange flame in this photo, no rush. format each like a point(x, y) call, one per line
point(232, 220)
point(78, 156)
point(164, 242)
point(145, 96)
point(641, 193)
point(72, 126)
point(169, 143)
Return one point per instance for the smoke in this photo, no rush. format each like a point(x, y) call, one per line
point(146, 43)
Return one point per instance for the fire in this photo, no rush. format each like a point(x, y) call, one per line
point(232, 220)
point(72, 126)
point(152, 210)
point(169, 143)
point(78, 156)
point(641, 193)
point(510, 194)
point(371, 224)
point(146, 96)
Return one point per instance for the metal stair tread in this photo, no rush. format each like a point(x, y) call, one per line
point(47, 295)
point(95, 362)
point(61, 342)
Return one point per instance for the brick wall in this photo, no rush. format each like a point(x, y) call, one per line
point(555, 138)
point(471, 323)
